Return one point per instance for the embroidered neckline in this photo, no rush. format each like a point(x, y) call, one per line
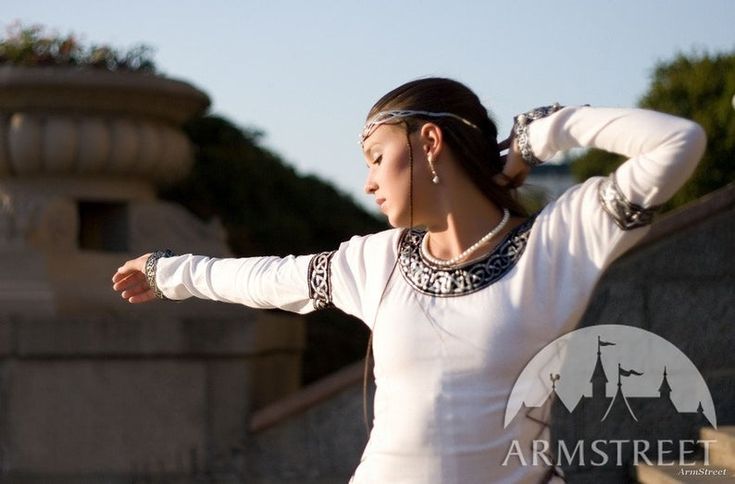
point(466, 278)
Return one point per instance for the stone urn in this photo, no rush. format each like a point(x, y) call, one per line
point(82, 152)
point(83, 122)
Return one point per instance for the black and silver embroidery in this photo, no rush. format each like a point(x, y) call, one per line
point(465, 279)
point(320, 283)
point(626, 214)
point(151, 264)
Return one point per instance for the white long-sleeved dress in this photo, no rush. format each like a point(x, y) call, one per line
point(449, 344)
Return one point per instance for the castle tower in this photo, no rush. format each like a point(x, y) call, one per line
point(619, 409)
point(664, 390)
point(599, 378)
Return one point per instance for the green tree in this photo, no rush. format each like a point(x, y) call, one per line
point(698, 87)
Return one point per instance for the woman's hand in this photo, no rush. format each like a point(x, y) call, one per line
point(515, 169)
point(131, 282)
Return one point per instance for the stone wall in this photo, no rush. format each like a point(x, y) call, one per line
point(678, 283)
point(322, 445)
point(155, 392)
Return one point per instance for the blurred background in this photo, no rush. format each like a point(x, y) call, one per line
point(230, 128)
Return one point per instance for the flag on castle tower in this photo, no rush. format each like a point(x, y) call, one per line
point(627, 372)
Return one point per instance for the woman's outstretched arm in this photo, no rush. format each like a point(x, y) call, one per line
point(300, 284)
point(260, 282)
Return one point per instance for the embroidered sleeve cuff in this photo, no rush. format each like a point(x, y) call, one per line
point(320, 280)
point(531, 151)
point(627, 215)
point(150, 270)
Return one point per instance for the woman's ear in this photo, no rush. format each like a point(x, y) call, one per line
point(432, 141)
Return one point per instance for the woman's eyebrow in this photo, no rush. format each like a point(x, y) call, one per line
point(368, 152)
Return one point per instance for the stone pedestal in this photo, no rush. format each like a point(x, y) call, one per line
point(93, 389)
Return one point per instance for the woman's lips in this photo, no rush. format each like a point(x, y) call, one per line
point(380, 202)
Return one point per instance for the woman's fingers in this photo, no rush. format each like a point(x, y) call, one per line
point(119, 276)
point(130, 281)
point(515, 169)
point(502, 179)
point(141, 298)
point(121, 281)
point(505, 144)
point(134, 265)
point(515, 178)
point(514, 173)
point(136, 291)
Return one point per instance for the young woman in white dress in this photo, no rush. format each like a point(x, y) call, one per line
point(467, 287)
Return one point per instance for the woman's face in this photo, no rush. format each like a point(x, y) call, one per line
point(389, 173)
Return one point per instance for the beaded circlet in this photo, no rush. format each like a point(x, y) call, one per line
point(388, 116)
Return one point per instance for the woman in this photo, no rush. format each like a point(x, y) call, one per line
point(457, 307)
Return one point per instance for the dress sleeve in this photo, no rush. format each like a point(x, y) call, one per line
point(601, 218)
point(295, 283)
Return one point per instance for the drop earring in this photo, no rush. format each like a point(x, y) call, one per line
point(435, 180)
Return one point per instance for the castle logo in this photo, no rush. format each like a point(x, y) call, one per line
point(619, 395)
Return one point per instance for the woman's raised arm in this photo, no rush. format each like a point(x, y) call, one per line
point(599, 219)
point(663, 150)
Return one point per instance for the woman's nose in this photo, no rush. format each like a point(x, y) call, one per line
point(370, 186)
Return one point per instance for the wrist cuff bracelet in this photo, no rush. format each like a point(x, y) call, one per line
point(520, 129)
point(150, 270)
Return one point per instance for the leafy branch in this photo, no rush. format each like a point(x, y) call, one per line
point(36, 45)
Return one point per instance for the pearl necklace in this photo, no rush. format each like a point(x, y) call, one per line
point(453, 261)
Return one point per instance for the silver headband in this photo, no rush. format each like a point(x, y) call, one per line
point(386, 116)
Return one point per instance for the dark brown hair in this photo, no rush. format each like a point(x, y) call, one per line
point(475, 150)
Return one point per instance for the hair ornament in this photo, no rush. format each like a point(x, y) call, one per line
point(384, 117)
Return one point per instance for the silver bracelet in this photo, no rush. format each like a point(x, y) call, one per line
point(520, 130)
point(150, 270)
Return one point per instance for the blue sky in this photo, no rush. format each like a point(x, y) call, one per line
point(306, 73)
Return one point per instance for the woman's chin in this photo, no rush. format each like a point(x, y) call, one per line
point(398, 222)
